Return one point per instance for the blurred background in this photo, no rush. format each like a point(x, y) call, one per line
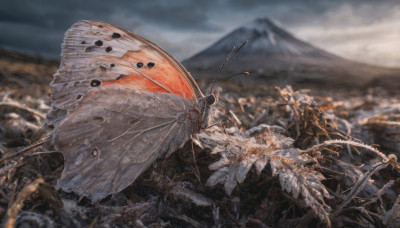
point(367, 31)
point(290, 42)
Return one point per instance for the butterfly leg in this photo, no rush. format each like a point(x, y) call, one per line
point(197, 172)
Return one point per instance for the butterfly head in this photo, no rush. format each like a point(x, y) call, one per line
point(206, 106)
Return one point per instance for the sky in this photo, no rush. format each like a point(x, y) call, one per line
point(362, 30)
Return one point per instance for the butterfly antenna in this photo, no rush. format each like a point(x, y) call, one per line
point(240, 47)
point(222, 67)
point(233, 75)
point(230, 55)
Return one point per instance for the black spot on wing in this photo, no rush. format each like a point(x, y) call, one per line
point(98, 43)
point(94, 153)
point(150, 64)
point(116, 35)
point(98, 119)
point(89, 49)
point(95, 83)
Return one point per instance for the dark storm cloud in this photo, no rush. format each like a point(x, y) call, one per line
point(183, 27)
point(177, 16)
point(38, 26)
point(294, 12)
point(53, 14)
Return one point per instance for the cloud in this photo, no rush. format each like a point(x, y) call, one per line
point(358, 33)
point(39, 28)
point(362, 30)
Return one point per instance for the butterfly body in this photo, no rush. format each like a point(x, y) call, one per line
point(119, 102)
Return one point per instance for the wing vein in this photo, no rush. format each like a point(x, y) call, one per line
point(155, 149)
point(123, 155)
point(124, 132)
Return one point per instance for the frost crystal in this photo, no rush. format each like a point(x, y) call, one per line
point(240, 153)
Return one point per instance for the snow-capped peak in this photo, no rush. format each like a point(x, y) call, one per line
point(268, 44)
point(260, 24)
point(264, 37)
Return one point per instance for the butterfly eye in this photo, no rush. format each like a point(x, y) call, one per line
point(139, 64)
point(210, 99)
point(150, 64)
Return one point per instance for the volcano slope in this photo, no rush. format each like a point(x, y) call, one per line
point(275, 56)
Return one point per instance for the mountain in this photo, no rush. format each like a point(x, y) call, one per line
point(274, 54)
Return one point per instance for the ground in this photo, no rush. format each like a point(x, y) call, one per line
point(278, 157)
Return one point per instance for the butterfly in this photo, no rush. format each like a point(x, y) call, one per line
point(119, 102)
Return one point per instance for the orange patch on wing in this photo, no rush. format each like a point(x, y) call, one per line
point(164, 72)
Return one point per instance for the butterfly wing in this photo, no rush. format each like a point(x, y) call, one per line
point(114, 135)
point(97, 54)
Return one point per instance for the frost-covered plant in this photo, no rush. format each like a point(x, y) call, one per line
point(239, 153)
